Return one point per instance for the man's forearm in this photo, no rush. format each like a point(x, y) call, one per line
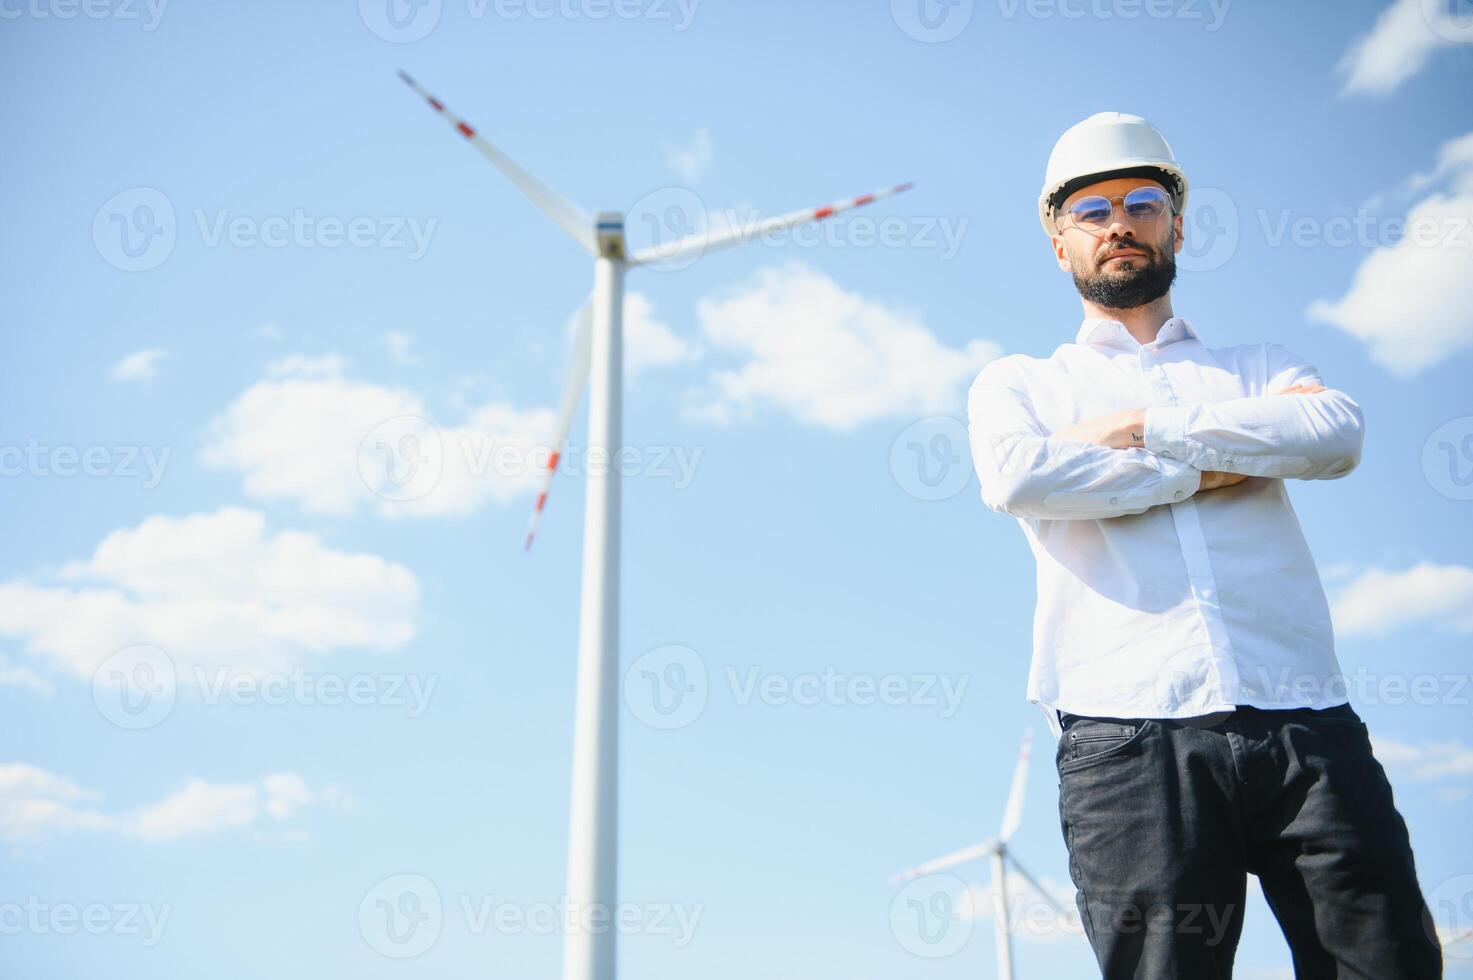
point(1118, 430)
point(1312, 437)
point(1128, 430)
point(1031, 473)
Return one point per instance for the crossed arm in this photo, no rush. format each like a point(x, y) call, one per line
point(1127, 462)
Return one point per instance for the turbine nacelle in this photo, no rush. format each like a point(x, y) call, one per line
point(609, 235)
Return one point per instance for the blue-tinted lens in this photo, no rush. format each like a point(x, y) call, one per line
point(1145, 203)
point(1091, 210)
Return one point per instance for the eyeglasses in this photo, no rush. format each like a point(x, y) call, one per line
point(1144, 204)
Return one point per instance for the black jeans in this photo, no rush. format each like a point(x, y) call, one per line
point(1164, 822)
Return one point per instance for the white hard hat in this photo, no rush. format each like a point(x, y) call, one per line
point(1104, 145)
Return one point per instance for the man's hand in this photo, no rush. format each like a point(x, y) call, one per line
point(1121, 430)
point(1217, 479)
point(1302, 388)
point(1124, 430)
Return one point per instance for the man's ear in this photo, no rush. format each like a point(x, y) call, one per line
point(1177, 228)
point(1061, 254)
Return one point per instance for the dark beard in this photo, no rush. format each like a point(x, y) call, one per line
point(1128, 290)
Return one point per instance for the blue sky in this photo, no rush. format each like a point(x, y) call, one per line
point(236, 249)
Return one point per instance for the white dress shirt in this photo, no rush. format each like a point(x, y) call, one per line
point(1156, 600)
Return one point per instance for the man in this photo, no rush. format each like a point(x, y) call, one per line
point(1182, 643)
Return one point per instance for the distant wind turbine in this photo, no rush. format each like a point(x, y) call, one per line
point(597, 359)
point(996, 849)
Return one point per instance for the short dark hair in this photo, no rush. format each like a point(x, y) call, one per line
point(1166, 180)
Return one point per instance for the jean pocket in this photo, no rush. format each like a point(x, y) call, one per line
point(1089, 741)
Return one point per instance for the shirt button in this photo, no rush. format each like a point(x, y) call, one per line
point(1114, 500)
point(1166, 453)
point(1177, 495)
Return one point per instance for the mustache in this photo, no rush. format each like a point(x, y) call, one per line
point(1127, 247)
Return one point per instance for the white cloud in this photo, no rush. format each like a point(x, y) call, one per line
point(1378, 601)
point(1412, 302)
point(334, 445)
point(212, 589)
point(35, 803)
point(649, 342)
point(17, 675)
point(1454, 164)
point(1426, 761)
point(831, 358)
point(691, 162)
point(1400, 44)
point(400, 346)
point(141, 365)
point(198, 807)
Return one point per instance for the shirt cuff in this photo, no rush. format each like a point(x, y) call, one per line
point(1178, 480)
point(1164, 433)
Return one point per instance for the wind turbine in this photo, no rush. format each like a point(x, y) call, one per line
point(597, 359)
point(997, 851)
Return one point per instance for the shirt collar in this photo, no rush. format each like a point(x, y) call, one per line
point(1112, 333)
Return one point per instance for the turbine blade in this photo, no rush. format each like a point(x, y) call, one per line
point(572, 392)
point(566, 215)
point(951, 860)
point(1014, 812)
point(710, 241)
point(1034, 882)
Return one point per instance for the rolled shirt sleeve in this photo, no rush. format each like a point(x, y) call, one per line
point(1296, 436)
